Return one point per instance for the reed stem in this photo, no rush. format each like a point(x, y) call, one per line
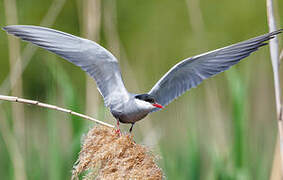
point(49, 106)
point(274, 53)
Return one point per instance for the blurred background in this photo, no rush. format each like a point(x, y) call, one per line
point(224, 129)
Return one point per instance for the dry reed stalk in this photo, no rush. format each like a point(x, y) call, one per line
point(276, 166)
point(15, 140)
point(274, 53)
point(195, 15)
point(107, 155)
point(281, 56)
point(49, 106)
point(30, 49)
point(14, 54)
point(112, 37)
point(13, 148)
point(91, 29)
point(110, 29)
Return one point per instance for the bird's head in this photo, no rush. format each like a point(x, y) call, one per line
point(149, 100)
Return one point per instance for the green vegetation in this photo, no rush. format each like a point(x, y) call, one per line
point(223, 129)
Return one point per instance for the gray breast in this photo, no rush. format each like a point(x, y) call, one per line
point(128, 112)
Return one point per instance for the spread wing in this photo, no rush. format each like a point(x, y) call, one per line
point(91, 57)
point(192, 71)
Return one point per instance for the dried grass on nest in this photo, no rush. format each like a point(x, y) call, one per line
point(106, 155)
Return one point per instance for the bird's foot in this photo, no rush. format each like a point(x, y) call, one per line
point(130, 130)
point(118, 132)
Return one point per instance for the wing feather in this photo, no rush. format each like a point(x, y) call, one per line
point(91, 57)
point(192, 71)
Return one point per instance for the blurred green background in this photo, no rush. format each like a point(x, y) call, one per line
point(223, 129)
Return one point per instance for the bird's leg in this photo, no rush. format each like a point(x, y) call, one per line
point(118, 131)
point(131, 128)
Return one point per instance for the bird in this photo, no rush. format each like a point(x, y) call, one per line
point(103, 67)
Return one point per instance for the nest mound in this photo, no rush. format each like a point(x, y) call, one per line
point(106, 155)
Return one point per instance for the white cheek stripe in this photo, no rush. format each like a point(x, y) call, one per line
point(143, 105)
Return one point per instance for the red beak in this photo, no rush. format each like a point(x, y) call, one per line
point(157, 105)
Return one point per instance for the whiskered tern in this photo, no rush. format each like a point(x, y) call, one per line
point(100, 64)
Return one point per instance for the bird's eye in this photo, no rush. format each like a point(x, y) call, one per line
point(150, 100)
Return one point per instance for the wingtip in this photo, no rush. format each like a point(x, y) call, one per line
point(273, 34)
point(7, 28)
point(10, 28)
point(4, 28)
point(276, 32)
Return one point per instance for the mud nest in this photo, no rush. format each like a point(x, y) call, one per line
point(106, 155)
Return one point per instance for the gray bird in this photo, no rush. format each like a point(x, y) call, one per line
point(103, 67)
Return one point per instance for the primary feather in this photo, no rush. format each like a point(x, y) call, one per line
point(91, 57)
point(192, 71)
